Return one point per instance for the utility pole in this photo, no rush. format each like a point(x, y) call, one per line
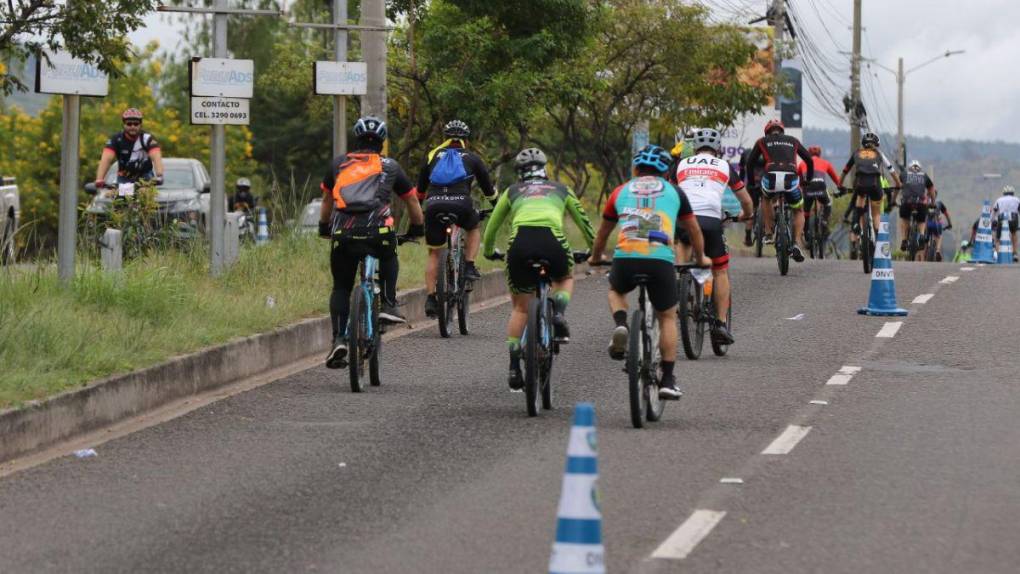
point(218, 160)
point(901, 138)
point(373, 46)
point(340, 102)
point(778, 29)
point(67, 230)
point(855, 81)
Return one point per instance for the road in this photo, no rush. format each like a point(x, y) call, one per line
point(911, 465)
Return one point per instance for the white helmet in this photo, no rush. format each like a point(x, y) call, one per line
point(915, 166)
point(1008, 190)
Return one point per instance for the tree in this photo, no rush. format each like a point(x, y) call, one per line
point(93, 31)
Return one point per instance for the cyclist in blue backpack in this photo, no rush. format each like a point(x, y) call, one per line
point(445, 182)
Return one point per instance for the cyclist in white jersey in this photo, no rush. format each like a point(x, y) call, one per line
point(1007, 206)
point(704, 177)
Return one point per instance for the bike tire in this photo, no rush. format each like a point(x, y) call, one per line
point(867, 246)
point(654, 406)
point(635, 356)
point(929, 250)
point(820, 237)
point(444, 295)
point(782, 239)
point(356, 339)
point(759, 232)
point(532, 359)
point(687, 312)
point(463, 302)
point(547, 361)
point(373, 361)
point(719, 349)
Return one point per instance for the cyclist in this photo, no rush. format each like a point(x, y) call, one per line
point(869, 164)
point(704, 178)
point(1007, 206)
point(356, 216)
point(780, 152)
point(136, 152)
point(918, 191)
point(816, 190)
point(752, 176)
point(535, 206)
point(936, 224)
point(243, 197)
point(648, 209)
point(446, 183)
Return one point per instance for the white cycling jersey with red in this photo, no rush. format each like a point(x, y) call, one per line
point(704, 178)
point(1009, 204)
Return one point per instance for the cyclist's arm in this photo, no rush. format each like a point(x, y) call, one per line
point(831, 171)
point(423, 178)
point(156, 156)
point(752, 160)
point(609, 219)
point(808, 161)
point(326, 211)
point(481, 173)
point(499, 213)
point(576, 211)
point(945, 211)
point(849, 164)
point(746, 204)
point(406, 192)
point(104, 163)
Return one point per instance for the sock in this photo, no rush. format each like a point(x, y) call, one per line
point(514, 346)
point(747, 233)
point(667, 368)
point(560, 301)
point(621, 318)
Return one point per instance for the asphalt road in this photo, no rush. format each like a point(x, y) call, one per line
point(912, 465)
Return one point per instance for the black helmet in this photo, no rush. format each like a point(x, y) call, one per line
point(870, 139)
point(456, 129)
point(370, 127)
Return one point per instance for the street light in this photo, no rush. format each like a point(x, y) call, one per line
point(901, 78)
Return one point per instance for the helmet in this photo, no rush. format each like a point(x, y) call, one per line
point(654, 157)
point(370, 127)
point(243, 183)
point(707, 137)
point(530, 158)
point(456, 129)
point(1008, 190)
point(870, 139)
point(774, 124)
point(131, 114)
point(815, 151)
point(915, 166)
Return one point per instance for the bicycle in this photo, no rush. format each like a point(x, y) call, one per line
point(866, 236)
point(452, 290)
point(915, 239)
point(931, 223)
point(817, 231)
point(696, 309)
point(364, 331)
point(759, 231)
point(782, 233)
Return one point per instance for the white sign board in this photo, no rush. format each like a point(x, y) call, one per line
point(67, 75)
point(218, 77)
point(220, 111)
point(340, 78)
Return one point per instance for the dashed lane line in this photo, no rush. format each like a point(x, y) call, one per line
point(966, 268)
point(888, 331)
point(922, 299)
point(949, 279)
point(785, 442)
point(686, 538)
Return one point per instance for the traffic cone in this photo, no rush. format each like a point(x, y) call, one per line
point(1005, 243)
point(578, 547)
point(262, 232)
point(984, 252)
point(882, 299)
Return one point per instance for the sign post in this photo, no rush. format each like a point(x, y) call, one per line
point(71, 78)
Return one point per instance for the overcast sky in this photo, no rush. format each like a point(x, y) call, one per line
point(975, 95)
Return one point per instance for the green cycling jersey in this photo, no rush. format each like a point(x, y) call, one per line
point(537, 203)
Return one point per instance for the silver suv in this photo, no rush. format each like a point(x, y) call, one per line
point(10, 214)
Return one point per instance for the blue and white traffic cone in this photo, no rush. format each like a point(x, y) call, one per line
point(882, 299)
point(1005, 243)
point(262, 232)
point(578, 547)
point(984, 251)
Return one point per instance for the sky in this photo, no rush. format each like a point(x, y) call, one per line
point(975, 95)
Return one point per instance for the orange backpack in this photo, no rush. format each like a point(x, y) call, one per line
point(357, 183)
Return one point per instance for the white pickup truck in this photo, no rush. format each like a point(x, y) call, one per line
point(10, 213)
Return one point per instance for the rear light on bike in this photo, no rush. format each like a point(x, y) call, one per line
point(449, 230)
point(708, 288)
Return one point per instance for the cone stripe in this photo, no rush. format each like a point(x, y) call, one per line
point(579, 531)
point(582, 504)
point(582, 465)
point(582, 442)
point(574, 558)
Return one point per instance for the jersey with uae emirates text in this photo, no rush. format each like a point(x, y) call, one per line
point(704, 178)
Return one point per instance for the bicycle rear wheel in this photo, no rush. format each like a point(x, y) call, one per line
point(635, 356)
point(929, 250)
point(532, 358)
point(759, 232)
point(688, 310)
point(356, 340)
point(445, 289)
point(547, 360)
point(782, 239)
point(868, 244)
point(463, 303)
point(376, 348)
point(650, 388)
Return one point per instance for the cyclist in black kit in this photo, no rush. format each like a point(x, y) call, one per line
point(136, 152)
point(869, 164)
point(751, 174)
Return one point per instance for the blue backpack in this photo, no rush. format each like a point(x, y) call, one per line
point(449, 170)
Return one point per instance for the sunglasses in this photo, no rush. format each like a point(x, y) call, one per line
point(132, 123)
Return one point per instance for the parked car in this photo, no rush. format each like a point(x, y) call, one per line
point(184, 195)
point(310, 216)
point(10, 216)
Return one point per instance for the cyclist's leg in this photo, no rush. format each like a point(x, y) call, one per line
point(795, 199)
point(435, 239)
point(662, 294)
point(769, 214)
point(467, 219)
point(521, 283)
point(905, 226)
point(682, 245)
point(876, 209)
point(755, 194)
point(384, 248)
point(620, 283)
point(343, 263)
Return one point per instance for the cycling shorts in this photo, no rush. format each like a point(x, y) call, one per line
point(715, 241)
point(459, 206)
point(531, 244)
point(935, 227)
point(661, 286)
point(811, 197)
point(775, 182)
point(874, 193)
point(918, 216)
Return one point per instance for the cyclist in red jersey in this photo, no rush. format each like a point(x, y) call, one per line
point(815, 189)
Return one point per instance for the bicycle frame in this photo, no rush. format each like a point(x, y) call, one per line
point(369, 266)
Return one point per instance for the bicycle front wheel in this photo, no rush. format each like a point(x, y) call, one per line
point(356, 340)
point(532, 356)
point(635, 356)
point(652, 357)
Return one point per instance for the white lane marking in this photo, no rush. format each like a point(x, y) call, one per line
point(966, 268)
point(849, 370)
point(731, 480)
point(785, 442)
point(685, 538)
point(922, 299)
point(796, 317)
point(846, 372)
point(823, 403)
point(950, 279)
point(888, 331)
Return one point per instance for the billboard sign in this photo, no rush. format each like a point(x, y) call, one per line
point(66, 75)
point(340, 78)
point(222, 78)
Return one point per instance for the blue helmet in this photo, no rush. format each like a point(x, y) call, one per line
point(371, 127)
point(654, 157)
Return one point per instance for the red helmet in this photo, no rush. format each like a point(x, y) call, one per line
point(815, 151)
point(773, 124)
point(131, 114)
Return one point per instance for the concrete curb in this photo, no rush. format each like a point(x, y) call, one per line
point(102, 403)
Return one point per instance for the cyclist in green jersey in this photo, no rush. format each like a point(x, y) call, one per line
point(535, 206)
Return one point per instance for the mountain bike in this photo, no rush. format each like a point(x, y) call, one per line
point(782, 233)
point(915, 237)
point(866, 244)
point(932, 224)
point(453, 291)
point(817, 230)
point(759, 231)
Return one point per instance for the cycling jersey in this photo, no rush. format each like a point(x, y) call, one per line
point(916, 186)
point(133, 162)
point(537, 203)
point(816, 184)
point(704, 179)
point(648, 208)
point(1008, 204)
point(393, 180)
point(780, 153)
point(869, 165)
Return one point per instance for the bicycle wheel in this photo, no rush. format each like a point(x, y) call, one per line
point(782, 239)
point(720, 349)
point(759, 232)
point(463, 302)
point(688, 311)
point(820, 236)
point(376, 346)
point(635, 357)
point(444, 295)
point(867, 244)
point(929, 249)
point(547, 360)
point(650, 388)
point(532, 358)
point(356, 339)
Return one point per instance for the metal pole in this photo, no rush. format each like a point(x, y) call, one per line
point(855, 80)
point(217, 197)
point(778, 28)
point(901, 138)
point(68, 223)
point(373, 46)
point(340, 102)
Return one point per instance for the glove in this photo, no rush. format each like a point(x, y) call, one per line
point(948, 227)
point(415, 230)
point(840, 191)
point(325, 229)
point(159, 180)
